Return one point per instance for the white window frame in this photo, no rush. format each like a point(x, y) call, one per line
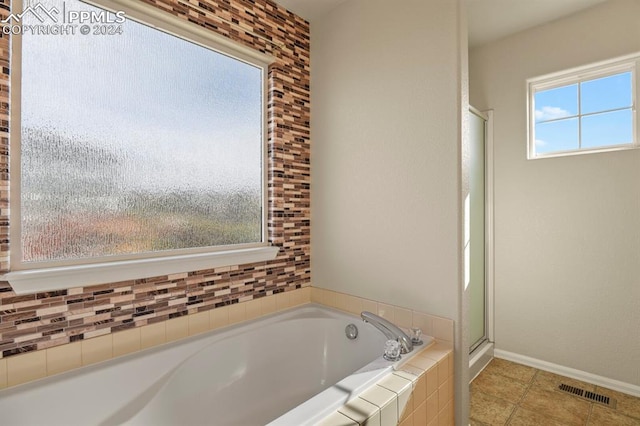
point(629, 63)
point(37, 277)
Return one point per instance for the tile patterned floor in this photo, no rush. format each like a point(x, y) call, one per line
point(506, 393)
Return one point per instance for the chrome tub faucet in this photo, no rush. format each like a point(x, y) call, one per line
point(391, 331)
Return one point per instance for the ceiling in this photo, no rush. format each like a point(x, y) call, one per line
point(493, 19)
point(488, 19)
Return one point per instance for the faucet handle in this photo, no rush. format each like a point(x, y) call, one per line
point(415, 336)
point(392, 350)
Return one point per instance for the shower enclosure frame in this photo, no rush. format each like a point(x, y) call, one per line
point(481, 352)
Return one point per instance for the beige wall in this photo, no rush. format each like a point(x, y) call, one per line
point(567, 230)
point(386, 126)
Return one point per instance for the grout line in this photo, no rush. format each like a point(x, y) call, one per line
point(529, 386)
point(590, 412)
point(513, 412)
point(526, 391)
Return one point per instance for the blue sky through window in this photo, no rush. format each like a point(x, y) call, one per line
point(584, 115)
point(557, 103)
point(606, 93)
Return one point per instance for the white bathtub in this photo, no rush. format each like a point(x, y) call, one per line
point(292, 368)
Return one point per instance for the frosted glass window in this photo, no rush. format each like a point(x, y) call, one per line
point(137, 142)
point(585, 110)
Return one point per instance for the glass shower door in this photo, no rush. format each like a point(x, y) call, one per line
point(477, 285)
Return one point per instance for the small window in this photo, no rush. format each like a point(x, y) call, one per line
point(134, 143)
point(583, 111)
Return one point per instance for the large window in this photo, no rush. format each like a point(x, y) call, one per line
point(134, 142)
point(586, 110)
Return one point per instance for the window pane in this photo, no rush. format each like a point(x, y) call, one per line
point(556, 103)
point(556, 136)
point(612, 128)
point(138, 142)
point(606, 93)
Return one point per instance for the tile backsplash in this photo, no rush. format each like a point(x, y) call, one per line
point(431, 325)
point(141, 313)
point(35, 365)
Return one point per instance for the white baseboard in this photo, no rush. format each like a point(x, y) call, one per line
point(594, 379)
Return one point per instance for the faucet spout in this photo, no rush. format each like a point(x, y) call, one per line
point(390, 330)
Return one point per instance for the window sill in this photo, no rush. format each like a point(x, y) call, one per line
point(60, 278)
point(556, 154)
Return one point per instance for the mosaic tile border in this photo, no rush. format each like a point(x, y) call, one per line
point(30, 366)
point(44, 320)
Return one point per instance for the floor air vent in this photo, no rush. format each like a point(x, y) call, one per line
point(588, 395)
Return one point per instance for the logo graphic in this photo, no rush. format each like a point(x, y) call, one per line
point(37, 11)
